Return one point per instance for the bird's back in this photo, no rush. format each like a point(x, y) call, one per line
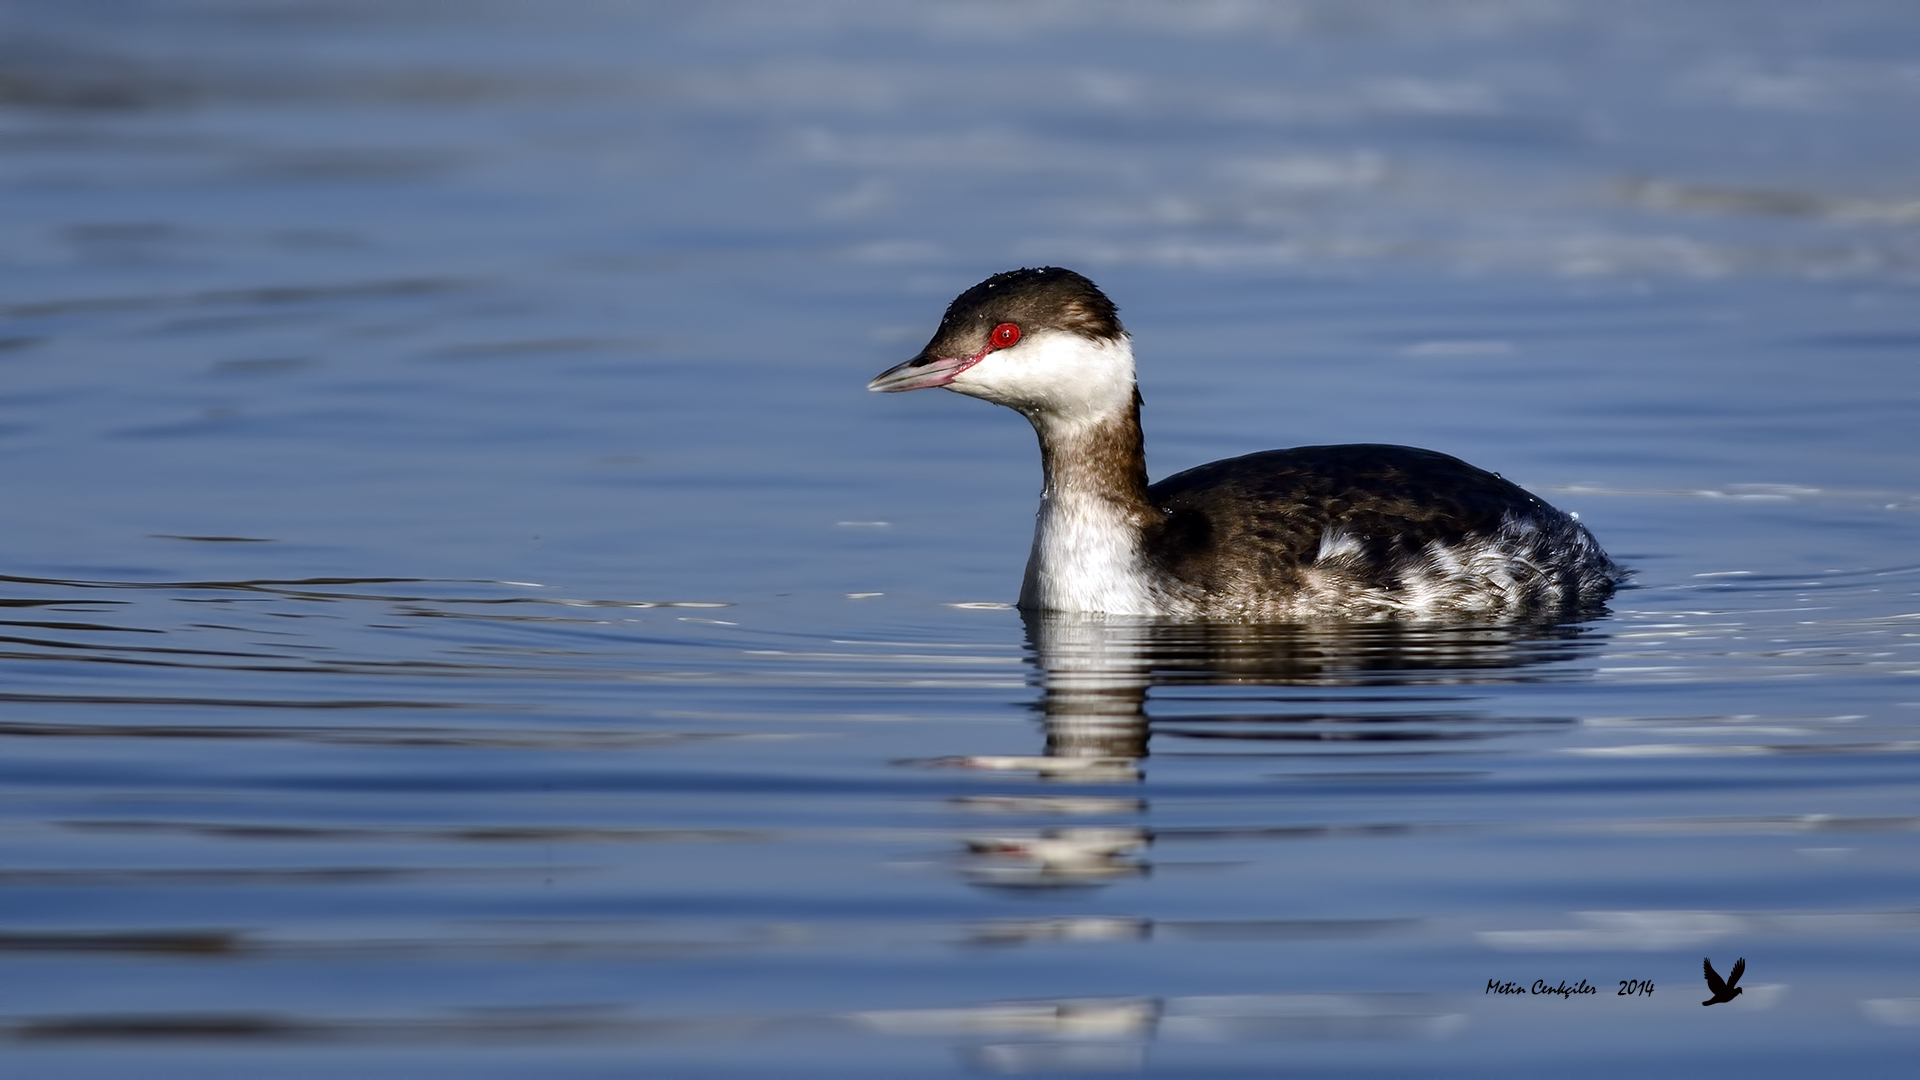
point(1368, 529)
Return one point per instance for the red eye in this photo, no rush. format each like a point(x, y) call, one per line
point(1005, 335)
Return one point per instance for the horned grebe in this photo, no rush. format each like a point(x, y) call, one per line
point(1360, 531)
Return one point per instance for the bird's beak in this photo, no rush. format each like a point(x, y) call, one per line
point(921, 372)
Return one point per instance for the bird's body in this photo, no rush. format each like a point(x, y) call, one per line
point(1360, 531)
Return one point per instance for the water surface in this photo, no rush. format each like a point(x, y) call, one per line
point(462, 615)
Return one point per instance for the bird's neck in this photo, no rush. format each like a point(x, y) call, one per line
point(1087, 542)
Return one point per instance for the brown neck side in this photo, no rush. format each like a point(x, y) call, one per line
point(1106, 460)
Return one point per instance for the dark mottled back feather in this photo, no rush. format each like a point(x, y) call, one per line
point(1263, 517)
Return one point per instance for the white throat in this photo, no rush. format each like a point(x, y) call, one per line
point(1086, 557)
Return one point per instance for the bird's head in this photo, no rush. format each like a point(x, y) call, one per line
point(1044, 341)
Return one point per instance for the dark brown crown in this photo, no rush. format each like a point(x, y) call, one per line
point(1041, 298)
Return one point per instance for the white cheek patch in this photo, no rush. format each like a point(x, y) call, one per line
point(1055, 373)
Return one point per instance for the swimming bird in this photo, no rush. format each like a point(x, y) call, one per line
point(1353, 532)
point(1725, 990)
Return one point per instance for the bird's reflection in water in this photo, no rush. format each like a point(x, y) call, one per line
point(1095, 674)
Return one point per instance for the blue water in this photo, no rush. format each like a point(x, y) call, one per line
point(461, 614)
